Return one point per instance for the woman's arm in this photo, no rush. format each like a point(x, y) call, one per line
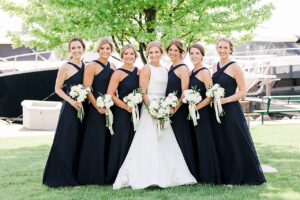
point(206, 78)
point(59, 83)
point(144, 82)
point(238, 74)
point(112, 89)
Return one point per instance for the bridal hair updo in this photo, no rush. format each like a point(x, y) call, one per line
point(154, 44)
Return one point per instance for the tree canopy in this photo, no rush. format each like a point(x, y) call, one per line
point(52, 23)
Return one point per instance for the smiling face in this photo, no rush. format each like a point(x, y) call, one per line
point(196, 56)
point(128, 56)
point(105, 51)
point(154, 54)
point(224, 49)
point(76, 49)
point(174, 53)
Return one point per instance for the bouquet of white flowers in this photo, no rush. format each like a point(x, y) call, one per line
point(160, 110)
point(105, 101)
point(216, 92)
point(192, 97)
point(172, 100)
point(78, 92)
point(132, 100)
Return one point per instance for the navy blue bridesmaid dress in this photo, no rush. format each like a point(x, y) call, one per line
point(180, 123)
point(62, 163)
point(238, 160)
point(95, 144)
point(122, 125)
point(205, 152)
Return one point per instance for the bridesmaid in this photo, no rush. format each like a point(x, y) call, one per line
point(123, 82)
point(178, 81)
point(238, 161)
point(62, 163)
point(208, 167)
point(93, 157)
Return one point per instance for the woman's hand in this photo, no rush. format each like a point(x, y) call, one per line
point(102, 110)
point(77, 105)
point(129, 109)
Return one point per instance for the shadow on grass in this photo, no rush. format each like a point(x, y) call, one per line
point(21, 170)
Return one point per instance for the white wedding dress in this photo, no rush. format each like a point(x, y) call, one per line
point(153, 161)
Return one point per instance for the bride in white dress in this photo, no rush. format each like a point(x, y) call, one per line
point(153, 160)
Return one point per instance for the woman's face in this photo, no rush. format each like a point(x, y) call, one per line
point(174, 53)
point(154, 54)
point(105, 51)
point(223, 49)
point(76, 50)
point(195, 56)
point(129, 56)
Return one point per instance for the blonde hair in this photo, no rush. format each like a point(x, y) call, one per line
point(154, 44)
point(128, 46)
point(105, 40)
point(228, 41)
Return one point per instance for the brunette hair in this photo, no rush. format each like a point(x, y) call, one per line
point(197, 46)
point(78, 40)
point(177, 43)
point(228, 41)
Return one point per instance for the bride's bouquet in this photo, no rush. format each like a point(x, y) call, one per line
point(160, 110)
point(216, 92)
point(78, 92)
point(132, 100)
point(105, 101)
point(192, 97)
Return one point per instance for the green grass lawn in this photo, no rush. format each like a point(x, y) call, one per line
point(22, 162)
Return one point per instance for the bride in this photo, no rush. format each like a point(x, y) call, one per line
point(153, 160)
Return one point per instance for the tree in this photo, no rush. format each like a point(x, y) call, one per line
point(53, 22)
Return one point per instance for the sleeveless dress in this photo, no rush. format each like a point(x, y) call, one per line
point(153, 161)
point(180, 123)
point(95, 144)
point(238, 161)
point(207, 161)
point(62, 163)
point(122, 125)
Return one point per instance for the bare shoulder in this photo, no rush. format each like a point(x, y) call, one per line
point(184, 69)
point(214, 67)
point(236, 67)
point(145, 69)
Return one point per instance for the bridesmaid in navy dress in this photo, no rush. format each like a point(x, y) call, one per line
point(123, 82)
point(238, 160)
point(206, 156)
point(61, 167)
point(94, 151)
point(178, 81)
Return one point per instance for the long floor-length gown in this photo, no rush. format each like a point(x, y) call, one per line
point(180, 124)
point(62, 163)
point(95, 144)
point(238, 160)
point(153, 161)
point(207, 161)
point(123, 126)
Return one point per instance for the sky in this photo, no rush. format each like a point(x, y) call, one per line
point(284, 20)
